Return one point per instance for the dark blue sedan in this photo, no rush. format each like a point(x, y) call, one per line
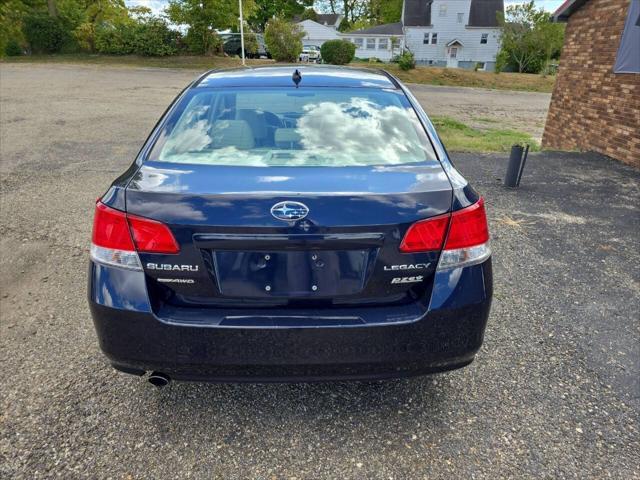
point(290, 224)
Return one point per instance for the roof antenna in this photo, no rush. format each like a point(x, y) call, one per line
point(297, 77)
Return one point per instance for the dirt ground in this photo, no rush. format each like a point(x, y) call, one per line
point(60, 95)
point(480, 108)
point(553, 393)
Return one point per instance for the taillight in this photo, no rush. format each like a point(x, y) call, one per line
point(117, 237)
point(151, 236)
point(468, 227)
point(110, 229)
point(466, 233)
point(425, 235)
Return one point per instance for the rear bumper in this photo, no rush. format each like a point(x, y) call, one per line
point(446, 337)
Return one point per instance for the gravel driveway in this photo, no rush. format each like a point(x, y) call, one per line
point(553, 393)
point(482, 108)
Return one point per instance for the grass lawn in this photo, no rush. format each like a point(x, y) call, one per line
point(458, 77)
point(459, 137)
point(428, 75)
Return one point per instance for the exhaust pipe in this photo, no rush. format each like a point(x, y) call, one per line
point(159, 379)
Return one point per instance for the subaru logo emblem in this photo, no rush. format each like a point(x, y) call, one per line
point(289, 211)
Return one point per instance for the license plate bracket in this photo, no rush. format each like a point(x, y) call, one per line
point(268, 274)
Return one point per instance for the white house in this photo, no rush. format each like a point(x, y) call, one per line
point(325, 28)
point(447, 33)
point(316, 34)
point(453, 33)
point(381, 42)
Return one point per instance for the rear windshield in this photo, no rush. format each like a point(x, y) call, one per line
point(293, 127)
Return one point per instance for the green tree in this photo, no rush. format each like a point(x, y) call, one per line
point(363, 13)
point(309, 14)
point(86, 17)
point(12, 13)
point(384, 11)
point(153, 37)
point(267, 9)
point(283, 39)
point(352, 10)
point(204, 17)
point(529, 38)
point(45, 34)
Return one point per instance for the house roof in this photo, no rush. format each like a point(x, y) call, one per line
point(567, 9)
point(417, 13)
point(386, 29)
point(328, 18)
point(484, 13)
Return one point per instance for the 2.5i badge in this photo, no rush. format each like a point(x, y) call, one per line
point(416, 279)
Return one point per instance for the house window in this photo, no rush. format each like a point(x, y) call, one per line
point(443, 10)
point(460, 17)
point(484, 38)
point(383, 44)
point(371, 43)
point(357, 42)
point(430, 38)
point(395, 42)
point(480, 66)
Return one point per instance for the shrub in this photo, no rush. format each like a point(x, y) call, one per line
point(283, 40)
point(406, 61)
point(115, 39)
point(45, 34)
point(154, 38)
point(251, 45)
point(151, 37)
point(201, 41)
point(12, 48)
point(338, 52)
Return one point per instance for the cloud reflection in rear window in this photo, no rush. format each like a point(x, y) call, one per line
point(278, 127)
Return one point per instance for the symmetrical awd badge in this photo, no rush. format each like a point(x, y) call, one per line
point(289, 210)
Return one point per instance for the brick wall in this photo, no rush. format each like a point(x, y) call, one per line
point(593, 109)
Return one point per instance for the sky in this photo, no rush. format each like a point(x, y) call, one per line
point(158, 5)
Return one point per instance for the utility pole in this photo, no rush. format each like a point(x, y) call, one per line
point(241, 32)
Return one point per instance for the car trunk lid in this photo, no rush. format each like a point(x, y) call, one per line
point(234, 251)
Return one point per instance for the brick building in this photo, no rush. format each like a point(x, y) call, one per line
point(595, 104)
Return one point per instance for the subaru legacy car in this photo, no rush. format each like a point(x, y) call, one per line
point(290, 223)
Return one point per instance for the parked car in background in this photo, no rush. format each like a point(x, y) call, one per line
point(288, 224)
point(232, 45)
point(310, 53)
